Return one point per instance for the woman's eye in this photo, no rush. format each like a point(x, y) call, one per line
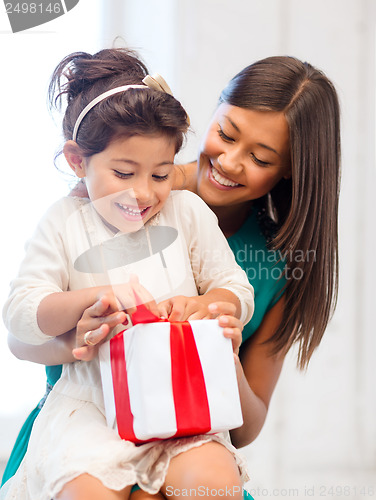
point(123, 175)
point(160, 178)
point(259, 162)
point(224, 136)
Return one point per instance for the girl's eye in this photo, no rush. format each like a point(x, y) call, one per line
point(160, 178)
point(259, 162)
point(224, 136)
point(123, 175)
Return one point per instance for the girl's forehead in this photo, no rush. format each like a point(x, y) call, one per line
point(141, 147)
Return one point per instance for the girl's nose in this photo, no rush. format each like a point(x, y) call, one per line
point(142, 191)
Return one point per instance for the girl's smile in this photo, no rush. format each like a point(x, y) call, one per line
point(133, 213)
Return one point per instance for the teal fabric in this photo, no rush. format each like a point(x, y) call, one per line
point(247, 495)
point(20, 446)
point(53, 374)
point(262, 266)
point(264, 273)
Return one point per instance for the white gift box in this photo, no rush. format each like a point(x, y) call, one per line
point(163, 380)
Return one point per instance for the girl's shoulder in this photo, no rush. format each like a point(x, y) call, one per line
point(61, 210)
point(190, 202)
point(66, 204)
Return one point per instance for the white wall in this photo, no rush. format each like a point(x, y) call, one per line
point(321, 429)
point(29, 181)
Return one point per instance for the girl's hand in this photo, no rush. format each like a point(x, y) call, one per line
point(181, 308)
point(232, 327)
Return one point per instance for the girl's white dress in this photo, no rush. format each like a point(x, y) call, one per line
point(70, 436)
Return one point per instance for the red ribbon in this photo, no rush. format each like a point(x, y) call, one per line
point(188, 383)
point(124, 415)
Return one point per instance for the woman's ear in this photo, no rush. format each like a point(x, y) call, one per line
point(74, 157)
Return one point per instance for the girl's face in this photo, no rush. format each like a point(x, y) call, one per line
point(130, 180)
point(244, 154)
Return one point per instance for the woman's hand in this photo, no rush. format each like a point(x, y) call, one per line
point(109, 310)
point(232, 326)
point(95, 324)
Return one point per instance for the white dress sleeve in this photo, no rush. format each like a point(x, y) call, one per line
point(212, 260)
point(44, 270)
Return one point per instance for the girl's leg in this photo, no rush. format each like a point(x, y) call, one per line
point(86, 487)
point(207, 471)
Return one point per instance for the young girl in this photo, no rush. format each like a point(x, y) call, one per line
point(122, 131)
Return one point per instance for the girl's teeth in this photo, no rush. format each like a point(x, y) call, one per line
point(222, 180)
point(132, 211)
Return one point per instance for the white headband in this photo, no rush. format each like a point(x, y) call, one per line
point(155, 82)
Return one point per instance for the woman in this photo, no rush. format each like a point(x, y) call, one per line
point(269, 167)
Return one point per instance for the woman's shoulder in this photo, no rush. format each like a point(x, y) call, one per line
point(251, 247)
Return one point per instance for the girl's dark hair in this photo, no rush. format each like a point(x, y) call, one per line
point(305, 207)
point(80, 77)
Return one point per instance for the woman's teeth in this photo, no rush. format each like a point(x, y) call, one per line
point(222, 180)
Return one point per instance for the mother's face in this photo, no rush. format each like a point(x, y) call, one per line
point(243, 155)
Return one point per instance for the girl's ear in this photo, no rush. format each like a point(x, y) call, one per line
point(74, 157)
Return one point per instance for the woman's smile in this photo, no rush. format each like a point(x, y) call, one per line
point(219, 180)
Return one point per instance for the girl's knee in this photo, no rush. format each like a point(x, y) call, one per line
point(207, 471)
point(87, 487)
point(220, 484)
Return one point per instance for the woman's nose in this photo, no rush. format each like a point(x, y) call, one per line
point(230, 162)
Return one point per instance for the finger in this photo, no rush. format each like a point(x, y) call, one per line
point(106, 305)
point(85, 353)
point(163, 309)
point(95, 324)
point(177, 312)
point(230, 321)
point(217, 308)
point(101, 306)
point(199, 315)
point(89, 337)
point(114, 319)
point(236, 338)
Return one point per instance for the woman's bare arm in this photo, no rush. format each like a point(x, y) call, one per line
point(258, 373)
point(54, 352)
point(185, 177)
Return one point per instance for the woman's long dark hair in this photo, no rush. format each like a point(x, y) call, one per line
point(305, 207)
